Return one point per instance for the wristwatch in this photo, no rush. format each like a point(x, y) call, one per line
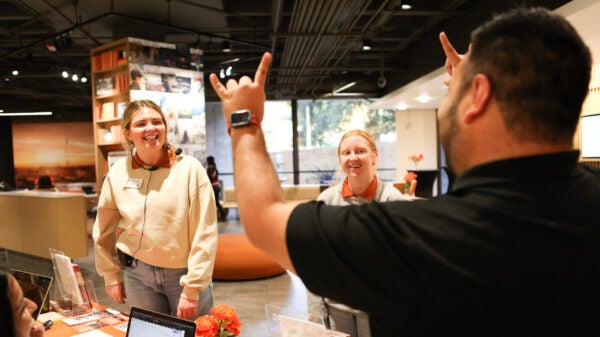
point(242, 118)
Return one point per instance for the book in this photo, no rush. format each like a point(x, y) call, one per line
point(104, 86)
point(108, 110)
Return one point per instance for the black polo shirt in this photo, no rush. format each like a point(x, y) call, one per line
point(513, 249)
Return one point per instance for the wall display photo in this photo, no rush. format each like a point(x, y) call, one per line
point(64, 151)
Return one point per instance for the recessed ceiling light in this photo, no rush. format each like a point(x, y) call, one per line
point(401, 106)
point(423, 98)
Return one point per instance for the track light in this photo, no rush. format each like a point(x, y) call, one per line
point(366, 44)
point(406, 5)
point(344, 87)
point(226, 47)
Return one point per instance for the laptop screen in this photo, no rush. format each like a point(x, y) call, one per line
point(36, 288)
point(143, 323)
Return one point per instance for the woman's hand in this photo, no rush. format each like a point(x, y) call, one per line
point(187, 309)
point(116, 292)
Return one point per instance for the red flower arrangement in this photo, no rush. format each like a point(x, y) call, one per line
point(222, 322)
point(416, 158)
point(410, 178)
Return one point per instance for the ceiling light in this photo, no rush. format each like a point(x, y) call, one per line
point(233, 60)
point(75, 77)
point(19, 114)
point(65, 74)
point(15, 72)
point(222, 73)
point(401, 106)
point(344, 87)
point(83, 79)
point(423, 98)
point(228, 71)
point(406, 5)
point(226, 47)
point(366, 44)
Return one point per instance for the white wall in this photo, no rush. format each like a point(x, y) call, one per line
point(416, 132)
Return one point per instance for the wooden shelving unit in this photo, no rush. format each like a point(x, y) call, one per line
point(173, 79)
point(110, 94)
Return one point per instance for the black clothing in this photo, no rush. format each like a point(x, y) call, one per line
point(513, 249)
point(213, 175)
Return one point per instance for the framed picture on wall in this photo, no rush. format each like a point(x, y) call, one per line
point(114, 156)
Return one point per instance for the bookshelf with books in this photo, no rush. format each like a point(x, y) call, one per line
point(131, 69)
point(110, 93)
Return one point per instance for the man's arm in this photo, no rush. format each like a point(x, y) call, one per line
point(263, 211)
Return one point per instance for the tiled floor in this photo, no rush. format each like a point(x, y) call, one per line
point(249, 298)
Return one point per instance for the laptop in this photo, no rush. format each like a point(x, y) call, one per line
point(36, 288)
point(144, 323)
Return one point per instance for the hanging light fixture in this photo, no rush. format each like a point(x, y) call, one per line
point(366, 44)
point(226, 47)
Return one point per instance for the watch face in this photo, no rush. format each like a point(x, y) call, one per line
point(241, 118)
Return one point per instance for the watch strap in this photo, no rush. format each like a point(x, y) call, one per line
point(253, 121)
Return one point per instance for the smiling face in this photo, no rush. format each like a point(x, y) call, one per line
point(22, 308)
point(146, 130)
point(357, 157)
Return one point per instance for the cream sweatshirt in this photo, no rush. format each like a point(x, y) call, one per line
point(166, 218)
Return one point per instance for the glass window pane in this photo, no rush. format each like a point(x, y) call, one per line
point(321, 124)
point(277, 128)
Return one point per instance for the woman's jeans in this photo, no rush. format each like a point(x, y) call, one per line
point(157, 289)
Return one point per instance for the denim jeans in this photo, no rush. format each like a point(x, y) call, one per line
point(158, 289)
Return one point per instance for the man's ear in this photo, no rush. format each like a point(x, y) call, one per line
point(479, 95)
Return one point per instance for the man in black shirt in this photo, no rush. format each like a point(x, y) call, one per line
point(513, 249)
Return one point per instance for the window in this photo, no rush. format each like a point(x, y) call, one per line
point(321, 124)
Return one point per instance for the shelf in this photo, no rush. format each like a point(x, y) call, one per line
point(110, 121)
point(111, 96)
point(111, 147)
point(117, 69)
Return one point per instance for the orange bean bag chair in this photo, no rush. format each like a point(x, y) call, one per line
point(238, 259)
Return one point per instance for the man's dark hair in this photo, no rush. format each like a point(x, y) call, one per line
point(539, 69)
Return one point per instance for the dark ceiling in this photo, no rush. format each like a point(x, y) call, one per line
point(316, 43)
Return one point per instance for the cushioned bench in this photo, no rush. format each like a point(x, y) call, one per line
point(292, 193)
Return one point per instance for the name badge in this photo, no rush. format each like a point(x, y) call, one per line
point(133, 183)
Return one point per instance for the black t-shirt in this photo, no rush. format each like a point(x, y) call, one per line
point(513, 250)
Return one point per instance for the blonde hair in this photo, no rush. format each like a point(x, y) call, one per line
point(130, 110)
